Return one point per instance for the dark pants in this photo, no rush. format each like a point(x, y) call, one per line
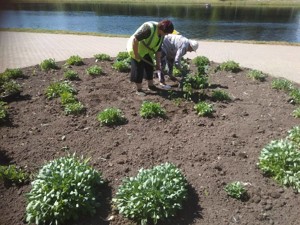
point(141, 69)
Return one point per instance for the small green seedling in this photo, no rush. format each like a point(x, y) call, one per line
point(220, 95)
point(282, 84)
point(111, 116)
point(10, 88)
point(3, 111)
point(121, 66)
point(55, 89)
point(296, 113)
point(256, 75)
point(102, 57)
point(75, 60)
point(74, 108)
point(94, 70)
point(230, 66)
point(202, 64)
point(151, 109)
point(187, 90)
point(294, 135)
point(9, 74)
point(236, 190)
point(48, 64)
point(13, 175)
point(67, 98)
point(203, 109)
point(295, 94)
point(123, 56)
point(71, 75)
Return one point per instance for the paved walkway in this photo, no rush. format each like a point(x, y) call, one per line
point(22, 49)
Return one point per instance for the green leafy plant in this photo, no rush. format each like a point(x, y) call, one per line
point(48, 64)
point(197, 81)
point(154, 194)
point(294, 136)
point(123, 56)
point(151, 109)
point(63, 189)
point(75, 60)
point(296, 113)
point(187, 90)
point(3, 111)
point(281, 160)
point(121, 66)
point(10, 88)
point(282, 84)
point(236, 190)
point(202, 64)
point(256, 75)
point(74, 108)
point(67, 98)
point(203, 109)
point(230, 66)
point(102, 57)
point(111, 116)
point(54, 90)
point(220, 95)
point(295, 94)
point(12, 74)
point(94, 70)
point(71, 75)
point(13, 175)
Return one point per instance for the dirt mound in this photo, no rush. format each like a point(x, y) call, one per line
point(210, 151)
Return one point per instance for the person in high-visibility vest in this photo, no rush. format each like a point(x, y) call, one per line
point(144, 43)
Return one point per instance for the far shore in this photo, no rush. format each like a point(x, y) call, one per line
point(264, 3)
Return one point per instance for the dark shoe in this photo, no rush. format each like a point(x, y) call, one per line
point(152, 88)
point(140, 93)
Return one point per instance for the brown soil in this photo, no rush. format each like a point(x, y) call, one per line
point(211, 152)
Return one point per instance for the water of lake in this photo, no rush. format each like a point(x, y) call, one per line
point(193, 21)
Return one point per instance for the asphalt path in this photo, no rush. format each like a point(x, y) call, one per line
point(23, 49)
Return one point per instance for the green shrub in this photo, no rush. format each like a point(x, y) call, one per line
point(74, 108)
point(187, 90)
point(203, 109)
point(294, 136)
point(121, 66)
point(63, 189)
point(111, 116)
point(94, 70)
point(3, 111)
point(236, 190)
point(54, 90)
point(12, 74)
point(154, 194)
point(13, 175)
point(71, 75)
point(151, 109)
point(198, 81)
point(67, 98)
point(281, 160)
point(220, 95)
point(10, 87)
point(123, 56)
point(282, 84)
point(256, 75)
point(295, 94)
point(75, 60)
point(296, 113)
point(230, 66)
point(48, 64)
point(102, 57)
point(202, 64)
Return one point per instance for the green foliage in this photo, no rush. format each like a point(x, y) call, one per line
point(3, 111)
point(151, 109)
point(176, 72)
point(10, 87)
point(74, 108)
point(121, 66)
point(296, 113)
point(198, 81)
point(256, 75)
point(67, 98)
point(236, 190)
point(75, 60)
point(188, 90)
point(295, 94)
point(282, 84)
point(294, 136)
point(220, 95)
point(13, 175)
point(55, 89)
point(63, 189)
point(102, 57)
point(281, 160)
point(123, 56)
point(94, 70)
point(111, 116)
point(202, 64)
point(203, 109)
point(154, 194)
point(230, 66)
point(71, 75)
point(48, 64)
point(9, 74)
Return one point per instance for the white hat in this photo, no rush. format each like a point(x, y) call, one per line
point(194, 45)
